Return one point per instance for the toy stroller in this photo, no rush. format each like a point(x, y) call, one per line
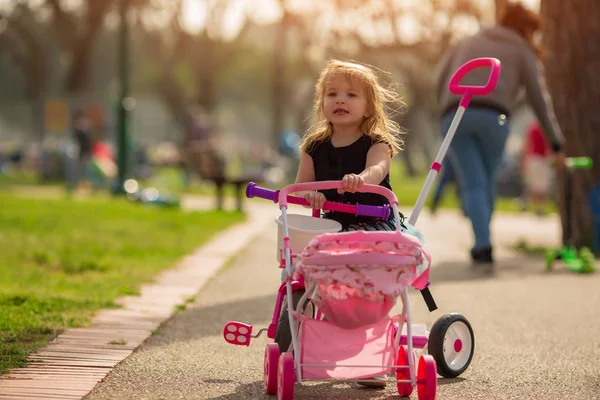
point(354, 280)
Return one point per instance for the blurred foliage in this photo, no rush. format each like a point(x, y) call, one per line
point(53, 48)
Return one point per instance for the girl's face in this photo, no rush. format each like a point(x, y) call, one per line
point(343, 103)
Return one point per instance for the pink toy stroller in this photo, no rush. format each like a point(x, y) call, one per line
point(340, 288)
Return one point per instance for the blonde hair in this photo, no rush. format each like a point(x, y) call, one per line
point(378, 125)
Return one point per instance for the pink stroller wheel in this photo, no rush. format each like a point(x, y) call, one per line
point(271, 365)
point(405, 389)
point(426, 378)
point(286, 377)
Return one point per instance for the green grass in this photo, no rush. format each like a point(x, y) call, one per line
point(170, 179)
point(166, 179)
point(62, 260)
point(20, 177)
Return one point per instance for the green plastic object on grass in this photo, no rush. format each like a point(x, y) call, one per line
point(579, 162)
point(582, 261)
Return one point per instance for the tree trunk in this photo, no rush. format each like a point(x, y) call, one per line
point(205, 62)
point(572, 42)
point(79, 44)
point(80, 71)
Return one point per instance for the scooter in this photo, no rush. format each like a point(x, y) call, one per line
point(582, 261)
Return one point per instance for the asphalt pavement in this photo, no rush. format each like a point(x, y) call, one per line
point(537, 334)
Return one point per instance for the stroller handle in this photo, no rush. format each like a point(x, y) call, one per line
point(469, 91)
point(324, 185)
point(383, 212)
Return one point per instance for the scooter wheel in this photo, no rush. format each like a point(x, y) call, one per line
point(452, 344)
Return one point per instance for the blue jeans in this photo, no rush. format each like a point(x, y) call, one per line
point(476, 154)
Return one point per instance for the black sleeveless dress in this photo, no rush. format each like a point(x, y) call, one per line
point(332, 163)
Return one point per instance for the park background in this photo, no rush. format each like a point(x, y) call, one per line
point(66, 252)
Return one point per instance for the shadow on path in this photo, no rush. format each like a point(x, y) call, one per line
point(330, 390)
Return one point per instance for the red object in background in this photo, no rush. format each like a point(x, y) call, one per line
point(102, 150)
point(536, 141)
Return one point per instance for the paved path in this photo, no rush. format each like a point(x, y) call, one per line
point(537, 334)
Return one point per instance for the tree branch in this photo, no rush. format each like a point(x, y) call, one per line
point(65, 26)
point(82, 45)
point(30, 53)
point(172, 93)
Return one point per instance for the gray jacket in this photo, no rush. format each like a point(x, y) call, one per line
point(520, 68)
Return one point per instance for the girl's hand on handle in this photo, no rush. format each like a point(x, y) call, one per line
point(315, 199)
point(351, 183)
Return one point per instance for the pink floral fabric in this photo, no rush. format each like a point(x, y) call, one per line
point(369, 269)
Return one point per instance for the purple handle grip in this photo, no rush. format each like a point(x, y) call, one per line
point(383, 212)
point(469, 91)
point(252, 190)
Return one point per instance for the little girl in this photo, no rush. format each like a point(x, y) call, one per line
point(352, 139)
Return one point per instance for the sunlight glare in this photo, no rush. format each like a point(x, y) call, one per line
point(410, 29)
point(233, 20)
point(193, 15)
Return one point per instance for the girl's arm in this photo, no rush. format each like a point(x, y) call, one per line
point(306, 171)
point(376, 168)
point(377, 165)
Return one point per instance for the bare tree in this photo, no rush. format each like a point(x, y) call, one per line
point(168, 48)
point(572, 65)
point(76, 32)
point(23, 41)
point(205, 52)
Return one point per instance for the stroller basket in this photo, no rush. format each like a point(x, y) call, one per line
point(356, 277)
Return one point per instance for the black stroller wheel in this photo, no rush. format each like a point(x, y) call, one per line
point(452, 344)
point(283, 336)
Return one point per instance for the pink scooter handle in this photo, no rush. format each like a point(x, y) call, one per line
point(469, 91)
point(324, 185)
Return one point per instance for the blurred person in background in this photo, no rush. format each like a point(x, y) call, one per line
point(448, 176)
point(197, 143)
point(478, 146)
point(82, 135)
point(537, 171)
